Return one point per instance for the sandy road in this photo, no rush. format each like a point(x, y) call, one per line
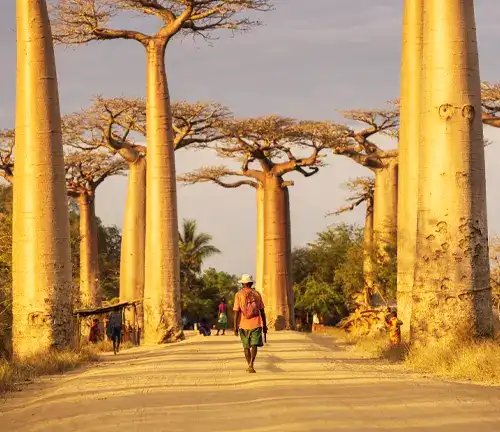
point(302, 384)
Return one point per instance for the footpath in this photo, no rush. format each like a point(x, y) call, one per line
point(303, 383)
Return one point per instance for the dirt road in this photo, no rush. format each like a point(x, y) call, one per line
point(302, 384)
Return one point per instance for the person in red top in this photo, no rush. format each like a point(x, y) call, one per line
point(249, 320)
point(222, 317)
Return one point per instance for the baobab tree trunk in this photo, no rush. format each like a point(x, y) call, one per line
point(368, 252)
point(385, 208)
point(452, 294)
point(260, 254)
point(42, 285)
point(134, 239)
point(276, 277)
point(291, 294)
point(409, 139)
point(162, 313)
point(90, 293)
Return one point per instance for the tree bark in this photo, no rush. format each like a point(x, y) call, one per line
point(291, 294)
point(409, 139)
point(162, 310)
point(452, 294)
point(42, 285)
point(260, 254)
point(134, 240)
point(385, 209)
point(276, 271)
point(368, 251)
point(90, 290)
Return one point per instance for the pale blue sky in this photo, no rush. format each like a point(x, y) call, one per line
point(306, 62)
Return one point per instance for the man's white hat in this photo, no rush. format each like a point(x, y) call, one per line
point(246, 278)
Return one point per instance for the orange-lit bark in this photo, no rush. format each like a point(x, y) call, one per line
point(42, 285)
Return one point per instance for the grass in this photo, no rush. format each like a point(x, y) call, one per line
point(466, 360)
point(12, 373)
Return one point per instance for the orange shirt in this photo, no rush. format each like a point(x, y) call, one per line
point(239, 303)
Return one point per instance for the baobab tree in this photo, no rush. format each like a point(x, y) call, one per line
point(42, 285)
point(267, 148)
point(81, 21)
point(408, 161)
point(363, 189)
point(452, 293)
point(383, 163)
point(119, 124)
point(85, 171)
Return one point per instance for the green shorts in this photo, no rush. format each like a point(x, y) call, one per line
point(251, 338)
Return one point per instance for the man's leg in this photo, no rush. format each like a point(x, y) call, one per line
point(248, 355)
point(253, 355)
point(118, 339)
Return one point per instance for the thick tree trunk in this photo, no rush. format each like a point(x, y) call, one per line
point(368, 252)
point(409, 139)
point(134, 240)
point(90, 290)
point(291, 294)
point(162, 310)
point(385, 210)
point(276, 272)
point(260, 254)
point(42, 285)
point(452, 294)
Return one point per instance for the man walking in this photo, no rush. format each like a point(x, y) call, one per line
point(115, 325)
point(249, 319)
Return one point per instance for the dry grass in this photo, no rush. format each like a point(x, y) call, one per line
point(13, 373)
point(467, 360)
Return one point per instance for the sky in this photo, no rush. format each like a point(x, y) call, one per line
point(306, 62)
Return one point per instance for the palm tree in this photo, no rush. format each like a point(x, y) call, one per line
point(194, 249)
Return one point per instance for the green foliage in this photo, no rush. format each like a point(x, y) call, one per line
point(202, 297)
point(328, 271)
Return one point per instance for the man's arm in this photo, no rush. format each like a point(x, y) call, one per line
point(264, 320)
point(236, 321)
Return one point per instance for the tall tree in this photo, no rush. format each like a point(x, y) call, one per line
point(266, 146)
point(119, 124)
point(85, 171)
point(42, 289)
point(362, 189)
point(81, 21)
point(452, 294)
point(409, 140)
point(383, 163)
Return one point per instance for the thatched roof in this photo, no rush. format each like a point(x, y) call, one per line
point(105, 309)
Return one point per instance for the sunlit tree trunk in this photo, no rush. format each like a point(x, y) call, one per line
point(452, 294)
point(260, 254)
point(90, 293)
point(42, 286)
point(291, 294)
point(134, 239)
point(276, 277)
point(409, 138)
point(368, 251)
point(385, 208)
point(162, 312)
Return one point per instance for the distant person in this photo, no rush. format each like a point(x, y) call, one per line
point(95, 332)
point(222, 317)
point(204, 328)
point(249, 320)
point(394, 328)
point(115, 328)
